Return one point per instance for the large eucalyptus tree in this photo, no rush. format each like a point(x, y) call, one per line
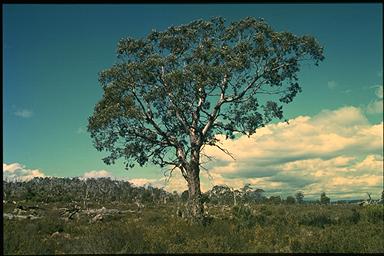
point(171, 92)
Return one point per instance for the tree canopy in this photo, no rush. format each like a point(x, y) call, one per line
point(182, 86)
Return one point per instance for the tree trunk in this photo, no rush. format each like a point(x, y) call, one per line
point(195, 204)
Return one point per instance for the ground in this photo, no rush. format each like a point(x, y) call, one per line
point(118, 227)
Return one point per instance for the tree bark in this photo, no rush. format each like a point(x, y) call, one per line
point(195, 204)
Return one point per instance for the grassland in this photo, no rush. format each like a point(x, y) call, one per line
point(158, 228)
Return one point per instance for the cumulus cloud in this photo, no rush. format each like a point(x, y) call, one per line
point(376, 105)
point(24, 113)
point(139, 182)
point(175, 183)
point(19, 172)
point(97, 174)
point(336, 151)
point(379, 92)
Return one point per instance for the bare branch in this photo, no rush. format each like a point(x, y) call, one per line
point(225, 151)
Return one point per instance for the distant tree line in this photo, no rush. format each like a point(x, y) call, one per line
point(80, 190)
point(103, 190)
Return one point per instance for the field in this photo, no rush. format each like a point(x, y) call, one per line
point(159, 229)
point(103, 216)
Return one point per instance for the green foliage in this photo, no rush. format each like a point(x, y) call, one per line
point(69, 190)
point(256, 229)
point(274, 200)
point(355, 217)
point(171, 92)
point(290, 200)
point(185, 196)
point(316, 219)
point(324, 199)
point(187, 76)
point(244, 217)
point(221, 194)
point(156, 228)
point(375, 213)
point(299, 197)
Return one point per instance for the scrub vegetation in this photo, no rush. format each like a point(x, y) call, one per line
point(103, 216)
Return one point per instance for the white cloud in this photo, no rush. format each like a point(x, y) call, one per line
point(176, 183)
point(376, 105)
point(347, 91)
point(24, 113)
point(337, 151)
point(10, 168)
point(97, 174)
point(19, 172)
point(139, 182)
point(332, 84)
point(379, 91)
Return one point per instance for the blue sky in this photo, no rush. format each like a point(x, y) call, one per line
point(53, 53)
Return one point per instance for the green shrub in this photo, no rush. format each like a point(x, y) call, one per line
point(354, 217)
point(254, 229)
point(316, 219)
point(243, 217)
point(375, 213)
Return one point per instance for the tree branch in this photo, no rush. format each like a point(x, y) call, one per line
point(216, 109)
point(180, 116)
point(149, 117)
point(225, 151)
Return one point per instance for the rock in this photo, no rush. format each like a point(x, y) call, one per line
point(103, 210)
point(19, 211)
point(11, 216)
point(139, 205)
point(72, 213)
point(21, 207)
point(98, 217)
point(8, 216)
point(57, 234)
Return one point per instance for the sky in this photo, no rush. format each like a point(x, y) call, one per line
point(52, 55)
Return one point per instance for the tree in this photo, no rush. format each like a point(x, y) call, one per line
point(290, 200)
point(299, 197)
point(324, 199)
point(221, 194)
point(172, 92)
point(274, 199)
point(252, 195)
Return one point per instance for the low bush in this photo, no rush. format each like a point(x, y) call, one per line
point(252, 229)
